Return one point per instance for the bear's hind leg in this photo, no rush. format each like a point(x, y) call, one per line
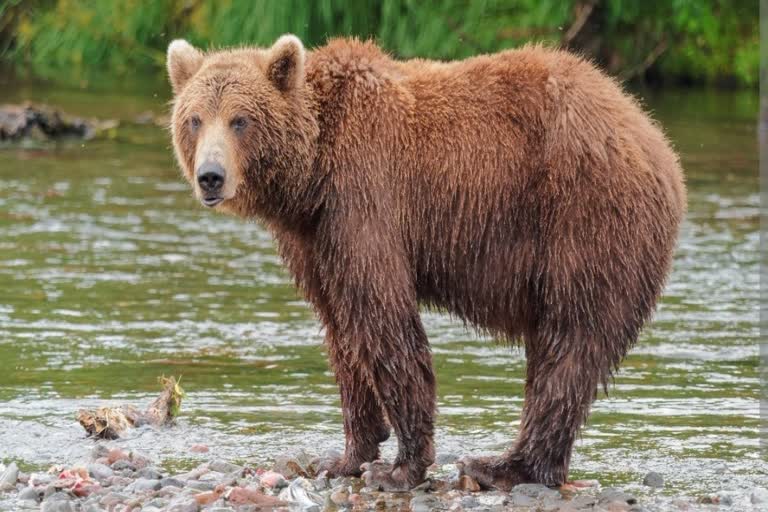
point(558, 394)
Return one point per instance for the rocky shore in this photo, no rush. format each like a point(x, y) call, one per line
point(118, 480)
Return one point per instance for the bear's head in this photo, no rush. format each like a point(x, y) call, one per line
point(243, 125)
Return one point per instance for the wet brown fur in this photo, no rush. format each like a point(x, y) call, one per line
point(523, 192)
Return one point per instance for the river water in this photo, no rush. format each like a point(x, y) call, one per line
point(111, 275)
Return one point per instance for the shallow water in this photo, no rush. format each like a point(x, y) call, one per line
point(112, 275)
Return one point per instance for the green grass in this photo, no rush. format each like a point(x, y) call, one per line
point(693, 41)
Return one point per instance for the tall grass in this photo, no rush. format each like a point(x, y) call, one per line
point(694, 40)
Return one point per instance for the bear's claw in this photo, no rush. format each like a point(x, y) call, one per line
point(382, 476)
point(337, 466)
point(492, 472)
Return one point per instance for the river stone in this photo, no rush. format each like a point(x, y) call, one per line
point(99, 471)
point(211, 476)
point(111, 499)
point(610, 495)
point(30, 493)
point(122, 464)
point(446, 458)
point(521, 500)
point(57, 506)
point(149, 473)
point(172, 482)
point(201, 486)
point(582, 502)
point(530, 490)
point(654, 479)
point(225, 467)
point(425, 503)
point(143, 485)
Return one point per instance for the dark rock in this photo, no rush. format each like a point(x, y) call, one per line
point(582, 502)
point(201, 486)
point(446, 458)
point(40, 122)
point(530, 490)
point(123, 464)
point(469, 502)
point(149, 473)
point(225, 467)
point(173, 482)
point(610, 495)
point(654, 479)
point(99, 471)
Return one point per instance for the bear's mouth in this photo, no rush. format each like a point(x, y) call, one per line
point(210, 202)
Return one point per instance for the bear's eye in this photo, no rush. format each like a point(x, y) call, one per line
point(194, 123)
point(239, 123)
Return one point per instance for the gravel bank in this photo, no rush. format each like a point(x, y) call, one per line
point(117, 480)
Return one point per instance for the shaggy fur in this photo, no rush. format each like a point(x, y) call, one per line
point(523, 192)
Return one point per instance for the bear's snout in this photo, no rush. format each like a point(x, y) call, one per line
point(210, 178)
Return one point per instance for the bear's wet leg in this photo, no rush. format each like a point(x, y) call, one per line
point(364, 423)
point(559, 392)
point(406, 388)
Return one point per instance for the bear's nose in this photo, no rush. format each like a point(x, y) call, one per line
point(210, 177)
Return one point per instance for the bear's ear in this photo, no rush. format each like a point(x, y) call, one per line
point(184, 60)
point(285, 64)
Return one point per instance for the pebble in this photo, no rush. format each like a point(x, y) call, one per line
point(201, 486)
point(610, 495)
point(30, 493)
point(99, 471)
point(57, 506)
point(445, 458)
point(273, 480)
point(171, 482)
point(425, 503)
point(225, 467)
point(122, 464)
point(143, 485)
point(149, 473)
point(531, 490)
point(130, 483)
point(654, 479)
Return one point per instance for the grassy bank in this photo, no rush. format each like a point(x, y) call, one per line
point(667, 41)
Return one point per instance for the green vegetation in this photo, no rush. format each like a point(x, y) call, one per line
point(688, 41)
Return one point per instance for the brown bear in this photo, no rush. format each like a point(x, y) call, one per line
point(523, 192)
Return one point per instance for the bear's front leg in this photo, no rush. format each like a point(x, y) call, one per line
point(405, 385)
point(371, 306)
point(364, 423)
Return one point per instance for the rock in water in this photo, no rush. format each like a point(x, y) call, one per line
point(654, 479)
point(41, 122)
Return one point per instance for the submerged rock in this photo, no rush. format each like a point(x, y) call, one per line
point(41, 122)
point(653, 479)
